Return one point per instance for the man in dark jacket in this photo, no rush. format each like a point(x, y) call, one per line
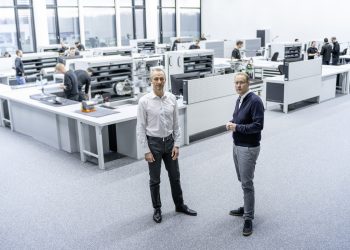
point(335, 51)
point(246, 126)
point(79, 46)
point(19, 68)
point(236, 54)
point(326, 52)
point(70, 82)
point(195, 46)
point(84, 80)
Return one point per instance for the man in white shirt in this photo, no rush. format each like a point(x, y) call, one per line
point(159, 132)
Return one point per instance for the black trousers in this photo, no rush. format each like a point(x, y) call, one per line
point(335, 60)
point(161, 150)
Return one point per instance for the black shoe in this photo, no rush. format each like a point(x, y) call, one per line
point(157, 216)
point(237, 212)
point(184, 209)
point(247, 228)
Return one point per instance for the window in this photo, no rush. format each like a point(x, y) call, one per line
point(67, 3)
point(26, 30)
point(132, 20)
point(167, 20)
point(100, 28)
point(190, 18)
point(52, 26)
point(16, 26)
point(68, 24)
point(63, 21)
point(127, 28)
point(98, 3)
point(190, 22)
point(8, 36)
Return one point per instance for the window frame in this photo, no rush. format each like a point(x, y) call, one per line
point(133, 8)
point(15, 7)
point(200, 16)
point(160, 18)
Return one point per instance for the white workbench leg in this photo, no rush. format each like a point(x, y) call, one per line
point(81, 141)
point(99, 142)
point(10, 115)
point(2, 123)
point(285, 108)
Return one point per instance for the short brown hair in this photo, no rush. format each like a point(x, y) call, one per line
point(239, 42)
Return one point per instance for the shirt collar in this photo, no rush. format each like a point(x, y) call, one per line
point(243, 96)
point(153, 95)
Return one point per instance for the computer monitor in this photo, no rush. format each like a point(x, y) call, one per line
point(177, 81)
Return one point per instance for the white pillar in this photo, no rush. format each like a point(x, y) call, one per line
point(40, 23)
point(152, 22)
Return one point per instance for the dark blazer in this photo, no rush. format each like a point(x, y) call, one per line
point(326, 52)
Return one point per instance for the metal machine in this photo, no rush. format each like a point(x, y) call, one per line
point(189, 61)
point(112, 76)
point(284, 50)
point(110, 51)
point(144, 46)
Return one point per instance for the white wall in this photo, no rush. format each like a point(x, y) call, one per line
point(306, 20)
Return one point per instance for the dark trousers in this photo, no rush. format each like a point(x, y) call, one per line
point(325, 62)
point(161, 150)
point(335, 60)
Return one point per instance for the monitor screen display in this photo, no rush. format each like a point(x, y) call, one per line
point(177, 81)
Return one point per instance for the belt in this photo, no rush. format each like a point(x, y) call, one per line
point(161, 138)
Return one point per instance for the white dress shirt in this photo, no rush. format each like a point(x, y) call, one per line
point(157, 117)
point(242, 98)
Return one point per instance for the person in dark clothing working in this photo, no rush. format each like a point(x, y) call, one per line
point(335, 51)
point(236, 54)
point(176, 42)
point(195, 46)
point(326, 52)
point(79, 46)
point(63, 48)
point(19, 68)
point(246, 126)
point(70, 82)
point(312, 51)
point(84, 80)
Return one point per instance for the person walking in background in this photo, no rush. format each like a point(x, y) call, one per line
point(19, 68)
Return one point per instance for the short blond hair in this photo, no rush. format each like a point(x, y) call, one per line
point(246, 77)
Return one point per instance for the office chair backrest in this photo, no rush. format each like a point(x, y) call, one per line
point(274, 57)
point(281, 69)
point(344, 51)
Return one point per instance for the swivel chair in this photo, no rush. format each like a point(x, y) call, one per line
point(274, 57)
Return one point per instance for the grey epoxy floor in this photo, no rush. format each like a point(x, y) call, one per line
point(50, 200)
